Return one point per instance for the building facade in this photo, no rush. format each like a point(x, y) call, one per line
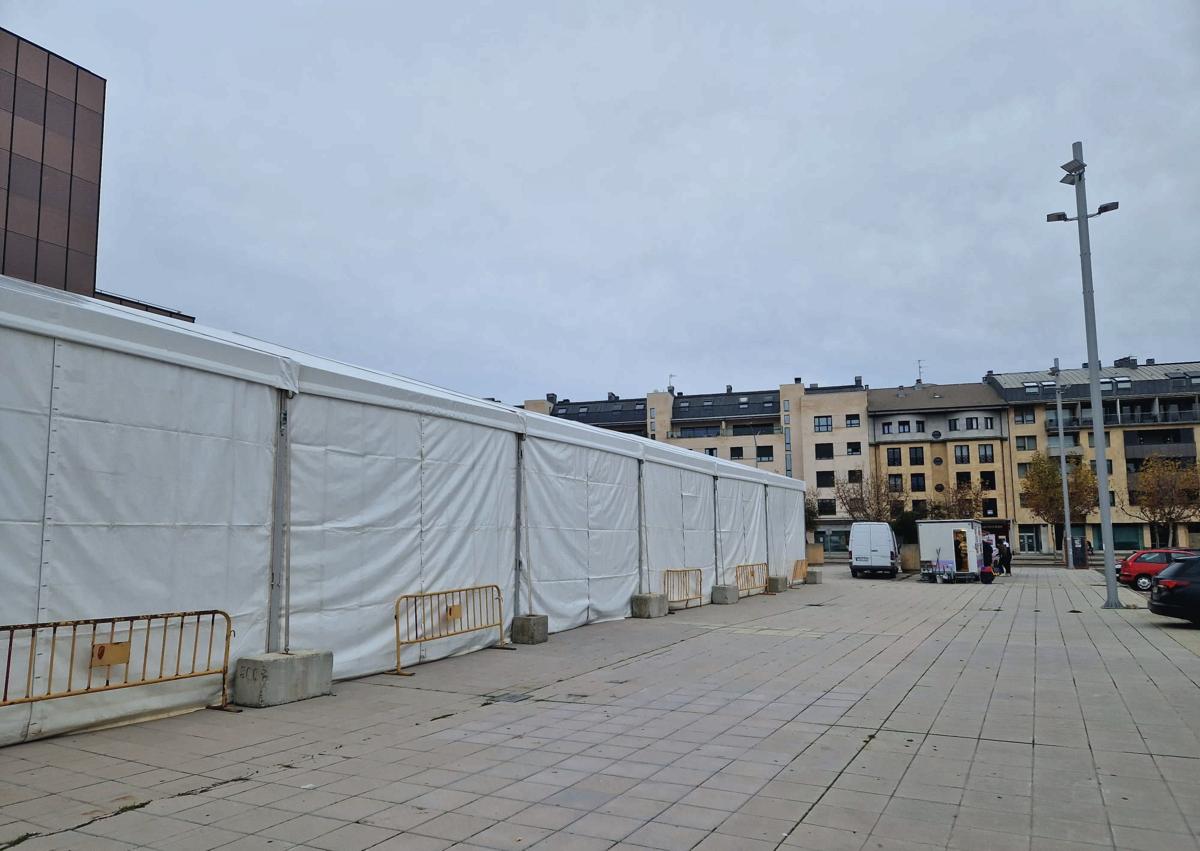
point(51, 144)
point(931, 438)
point(1149, 409)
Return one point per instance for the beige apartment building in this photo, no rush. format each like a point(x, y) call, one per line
point(931, 437)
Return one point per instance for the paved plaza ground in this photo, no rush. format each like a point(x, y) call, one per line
point(854, 714)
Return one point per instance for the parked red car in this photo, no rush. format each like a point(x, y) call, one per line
point(1139, 568)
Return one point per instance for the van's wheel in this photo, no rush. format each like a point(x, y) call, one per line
point(1143, 582)
point(854, 572)
point(892, 573)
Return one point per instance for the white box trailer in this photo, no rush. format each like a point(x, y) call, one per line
point(951, 550)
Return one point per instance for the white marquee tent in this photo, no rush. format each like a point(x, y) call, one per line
point(156, 466)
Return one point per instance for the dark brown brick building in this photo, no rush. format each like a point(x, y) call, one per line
point(51, 141)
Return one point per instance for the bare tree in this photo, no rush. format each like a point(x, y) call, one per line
point(1165, 493)
point(872, 497)
point(1041, 490)
point(961, 502)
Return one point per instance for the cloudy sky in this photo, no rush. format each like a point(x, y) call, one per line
point(510, 198)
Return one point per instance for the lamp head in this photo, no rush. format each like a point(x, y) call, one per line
point(1069, 179)
point(1073, 166)
point(1109, 207)
point(1056, 217)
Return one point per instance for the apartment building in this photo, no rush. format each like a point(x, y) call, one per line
point(1149, 409)
point(814, 433)
point(931, 438)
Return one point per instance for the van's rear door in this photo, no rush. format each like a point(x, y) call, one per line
point(881, 547)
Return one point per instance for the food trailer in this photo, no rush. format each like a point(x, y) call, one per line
point(951, 550)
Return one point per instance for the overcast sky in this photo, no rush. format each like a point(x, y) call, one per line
point(511, 198)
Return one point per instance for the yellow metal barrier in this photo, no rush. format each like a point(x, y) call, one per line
point(800, 571)
point(751, 579)
point(684, 587)
point(442, 614)
point(101, 654)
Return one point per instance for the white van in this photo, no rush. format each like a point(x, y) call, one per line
point(873, 549)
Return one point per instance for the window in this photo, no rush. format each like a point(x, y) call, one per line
point(916, 455)
point(700, 431)
point(1031, 387)
point(639, 406)
point(685, 404)
point(917, 482)
point(826, 507)
point(765, 453)
point(1092, 438)
point(987, 480)
point(952, 425)
point(920, 507)
point(886, 428)
point(768, 403)
point(735, 453)
point(711, 450)
point(825, 478)
point(854, 477)
point(583, 409)
point(854, 448)
point(1026, 443)
point(707, 402)
point(985, 453)
point(962, 454)
point(1151, 558)
point(651, 413)
point(787, 419)
point(1022, 470)
point(895, 482)
point(905, 426)
point(743, 402)
point(893, 456)
point(823, 450)
point(1025, 416)
point(962, 480)
point(972, 423)
point(1112, 498)
point(822, 423)
point(919, 427)
point(989, 422)
point(852, 421)
point(989, 508)
point(1108, 464)
point(787, 438)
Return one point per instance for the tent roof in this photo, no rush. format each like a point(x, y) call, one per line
point(67, 316)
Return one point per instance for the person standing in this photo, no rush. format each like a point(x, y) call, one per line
point(1006, 556)
point(987, 553)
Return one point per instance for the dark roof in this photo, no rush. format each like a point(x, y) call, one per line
point(1141, 380)
point(603, 412)
point(934, 397)
point(725, 406)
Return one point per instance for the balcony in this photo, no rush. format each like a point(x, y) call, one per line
point(1144, 418)
point(1070, 451)
point(1167, 450)
point(727, 431)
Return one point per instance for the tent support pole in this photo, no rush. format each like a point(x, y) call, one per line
point(717, 534)
point(280, 509)
point(643, 583)
point(519, 564)
point(767, 524)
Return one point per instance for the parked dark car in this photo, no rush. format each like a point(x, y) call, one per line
point(1175, 591)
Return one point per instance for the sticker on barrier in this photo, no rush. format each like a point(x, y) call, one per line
point(57, 659)
point(751, 579)
point(683, 587)
point(441, 614)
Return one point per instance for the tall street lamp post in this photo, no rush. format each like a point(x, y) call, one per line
point(1075, 177)
point(1062, 464)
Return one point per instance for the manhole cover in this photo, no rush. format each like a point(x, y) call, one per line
point(508, 697)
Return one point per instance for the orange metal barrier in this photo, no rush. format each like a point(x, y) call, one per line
point(800, 571)
point(101, 654)
point(751, 579)
point(442, 614)
point(683, 587)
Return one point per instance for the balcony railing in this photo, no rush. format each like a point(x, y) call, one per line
point(1167, 450)
point(1071, 451)
point(728, 431)
point(1142, 418)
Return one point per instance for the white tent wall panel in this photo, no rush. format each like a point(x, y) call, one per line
point(679, 523)
point(699, 539)
point(742, 515)
point(781, 506)
point(386, 503)
point(582, 532)
point(158, 499)
point(25, 387)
